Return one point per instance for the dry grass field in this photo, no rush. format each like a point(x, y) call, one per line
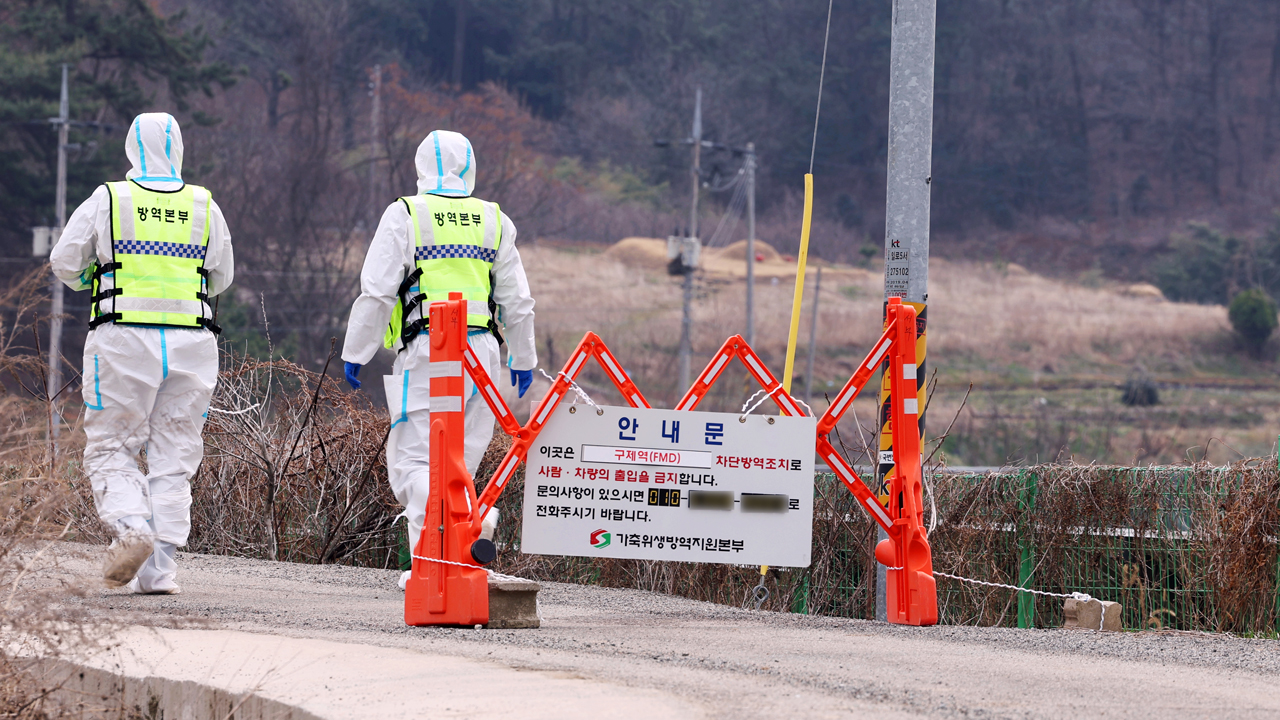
point(1046, 356)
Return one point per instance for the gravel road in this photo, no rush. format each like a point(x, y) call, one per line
point(743, 664)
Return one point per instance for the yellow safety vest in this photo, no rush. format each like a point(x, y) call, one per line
point(455, 245)
point(156, 274)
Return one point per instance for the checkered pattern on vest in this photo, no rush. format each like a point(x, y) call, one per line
point(438, 252)
point(144, 247)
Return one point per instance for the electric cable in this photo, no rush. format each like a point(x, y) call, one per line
point(737, 204)
point(822, 74)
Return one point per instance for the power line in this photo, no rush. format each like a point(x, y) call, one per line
point(822, 75)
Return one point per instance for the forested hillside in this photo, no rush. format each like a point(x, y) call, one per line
point(1070, 135)
point(1080, 121)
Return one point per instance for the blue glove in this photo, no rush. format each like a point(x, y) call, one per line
point(351, 371)
point(522, 379)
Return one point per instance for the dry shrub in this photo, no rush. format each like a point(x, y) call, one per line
point(294, 470)
point(39, 508)
point(42, 619)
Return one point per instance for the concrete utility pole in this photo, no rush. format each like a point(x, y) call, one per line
point(60, 209)
point(906, 238)
point(813, 340)
point(751, 243)
point(686, 322)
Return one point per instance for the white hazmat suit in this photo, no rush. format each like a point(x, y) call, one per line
point(144, 387)
point(446, 166)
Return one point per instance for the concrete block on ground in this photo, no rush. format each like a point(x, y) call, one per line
point(1090, 615)
point(513, 603)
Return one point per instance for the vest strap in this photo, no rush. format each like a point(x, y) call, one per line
point(103, 319)
point(413, 303)
point(409, 281)
point(105, 268)
point(106, 294)
point(413, 330)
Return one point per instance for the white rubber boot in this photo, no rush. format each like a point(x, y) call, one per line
point(156, 576)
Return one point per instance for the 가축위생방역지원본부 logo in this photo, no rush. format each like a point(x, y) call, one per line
point(600, 539)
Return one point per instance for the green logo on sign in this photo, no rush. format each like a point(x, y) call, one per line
point(600, 539)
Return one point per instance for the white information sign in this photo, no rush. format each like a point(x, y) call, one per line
point(651, 484)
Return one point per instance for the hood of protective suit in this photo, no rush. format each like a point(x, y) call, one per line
point(446, 165)
point(154, 147)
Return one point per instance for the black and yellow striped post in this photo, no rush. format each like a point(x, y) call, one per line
point(884, 468)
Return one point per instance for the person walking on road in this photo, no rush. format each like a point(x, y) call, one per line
point(428, 245)
point(153, 250)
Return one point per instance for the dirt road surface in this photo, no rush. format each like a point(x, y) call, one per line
point(720, 662)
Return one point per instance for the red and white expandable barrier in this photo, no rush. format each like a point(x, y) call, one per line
point(453, 591)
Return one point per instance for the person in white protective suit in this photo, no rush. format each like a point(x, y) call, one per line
point(439, 241)
point(153, 250)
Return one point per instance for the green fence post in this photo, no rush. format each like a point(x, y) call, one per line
point(800, 601)
point(1277, 613)
point(1026, 565)
point(404, 558)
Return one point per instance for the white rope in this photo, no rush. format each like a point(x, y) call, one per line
point(1079, 596)
point(581, 393)
point(448, 562)
point(805, 404)
point(751, 404)
point(1082, 597)
point(505, 578)
point(234, 412)
point(748, 408)
point(495, 575)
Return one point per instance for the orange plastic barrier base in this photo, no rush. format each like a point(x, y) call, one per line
point(445, 593)
point(910, 596)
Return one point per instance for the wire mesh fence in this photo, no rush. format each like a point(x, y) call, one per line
point(1188, 548)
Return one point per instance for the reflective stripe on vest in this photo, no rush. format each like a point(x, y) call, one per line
point(158, 240)
point(456, 243)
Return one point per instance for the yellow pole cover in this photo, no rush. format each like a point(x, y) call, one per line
point(801, 261)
